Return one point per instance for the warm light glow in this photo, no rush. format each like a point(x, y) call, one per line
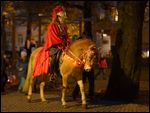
point(73, 29)
point(114, 14)
point(145, 54)
point(116, 18)
point(5, 13)
point(40, 14)
point(104, 34)
point(75, 62)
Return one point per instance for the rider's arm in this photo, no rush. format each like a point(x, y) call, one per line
point(52, 36)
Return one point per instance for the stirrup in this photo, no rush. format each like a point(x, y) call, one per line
point(52, 77)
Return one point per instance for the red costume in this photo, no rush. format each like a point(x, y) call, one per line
point(102, 63)
point(52, 38)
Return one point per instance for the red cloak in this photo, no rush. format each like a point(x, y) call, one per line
point(52, 37)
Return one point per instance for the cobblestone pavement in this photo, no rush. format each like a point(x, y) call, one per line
point(16, 102)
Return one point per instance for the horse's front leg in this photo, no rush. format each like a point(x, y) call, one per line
point(30, 89)
point(64, 88)
point(42, 84)
point(82, 90)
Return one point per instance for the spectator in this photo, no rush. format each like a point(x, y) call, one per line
point(30, 45)
point(102, 64)
point(21, 66)
point(4, 76)
point(90, 76)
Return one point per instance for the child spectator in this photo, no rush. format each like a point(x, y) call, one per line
point(21, 66)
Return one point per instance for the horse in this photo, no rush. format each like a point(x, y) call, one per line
point(78, 57)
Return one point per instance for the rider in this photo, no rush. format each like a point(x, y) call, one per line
point(56, 39)
point(58, 35)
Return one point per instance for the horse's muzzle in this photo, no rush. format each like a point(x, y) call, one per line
point(87, 68)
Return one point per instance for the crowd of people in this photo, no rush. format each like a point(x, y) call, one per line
point(15, 72)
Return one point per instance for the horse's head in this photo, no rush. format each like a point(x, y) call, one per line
point(89, 57)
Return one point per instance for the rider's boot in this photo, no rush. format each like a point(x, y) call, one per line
point(52, 64)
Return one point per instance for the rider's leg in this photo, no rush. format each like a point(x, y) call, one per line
point(52, 64)
point(53, 55)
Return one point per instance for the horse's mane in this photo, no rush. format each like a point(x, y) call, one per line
point(80, 45)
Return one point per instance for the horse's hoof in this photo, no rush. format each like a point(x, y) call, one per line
point(29, 100)
point(84, 106)
point(44, 100)
point(64, 106)
point(26, 93)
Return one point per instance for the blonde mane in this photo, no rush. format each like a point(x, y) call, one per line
point(81, 45)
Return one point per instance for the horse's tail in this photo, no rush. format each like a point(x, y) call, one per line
point(29, 75)
point(30, 69)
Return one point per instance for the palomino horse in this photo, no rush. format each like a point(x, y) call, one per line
point(79, 57)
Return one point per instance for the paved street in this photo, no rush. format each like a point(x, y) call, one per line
point(16, 102)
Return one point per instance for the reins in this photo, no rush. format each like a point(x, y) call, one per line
point(73, 57)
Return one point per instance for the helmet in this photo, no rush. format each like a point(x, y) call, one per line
point(62, 14)
point(58, 11)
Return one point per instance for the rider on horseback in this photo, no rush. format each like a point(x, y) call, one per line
point(56, 40)
point(58, 36)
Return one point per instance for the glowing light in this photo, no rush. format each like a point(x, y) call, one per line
point(40, 14)
point(75, 62)
point(104, 34)
point(5, 13)
point(145, 54)
point(114, 14)
point(116, 18)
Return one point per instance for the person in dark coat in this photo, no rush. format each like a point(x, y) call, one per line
point(30, 45)
point(90, 76)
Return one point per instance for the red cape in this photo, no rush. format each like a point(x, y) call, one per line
point(52, 37)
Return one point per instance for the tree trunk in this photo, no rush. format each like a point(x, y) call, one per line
point(126, 66)
point(29, 19)
point(13, 37)
point(87, 19)
point(3, 40)
point(39, 30)
point(3, 35)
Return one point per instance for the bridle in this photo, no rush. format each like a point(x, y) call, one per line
point(80, 61)
point(70, 55)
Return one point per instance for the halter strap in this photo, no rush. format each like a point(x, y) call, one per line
point(73, 57)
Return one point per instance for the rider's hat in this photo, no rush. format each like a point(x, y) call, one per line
point(58, 11)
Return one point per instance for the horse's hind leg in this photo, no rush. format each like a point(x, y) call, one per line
point(82, 90)
point(64, 83)
point(30, 89)
point(42, 84)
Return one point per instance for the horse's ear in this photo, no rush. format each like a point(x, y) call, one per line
point(92, 47)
